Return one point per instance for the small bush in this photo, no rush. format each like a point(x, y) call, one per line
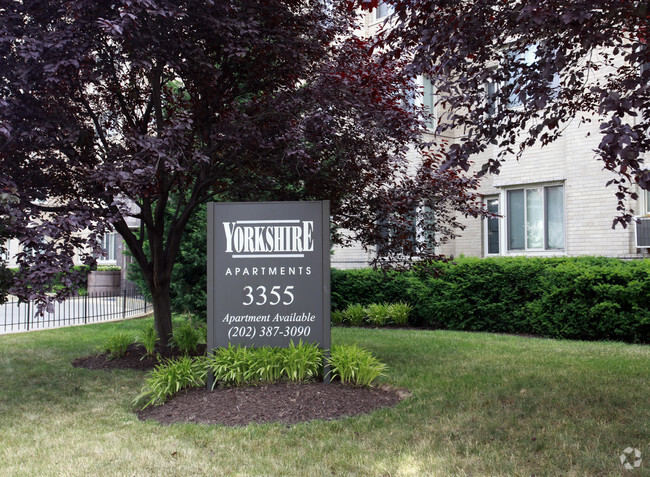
point(239, 365)
point(169, 378)
point(186, 338)
point(301, 362)
point(399, 313)
point(108, 268)
point(148, 338)
point(117, 345)
point(338, 317)
point(377, 314)
point(354, 365)
point(355, 314)
point(264, 364)
point(230, 365)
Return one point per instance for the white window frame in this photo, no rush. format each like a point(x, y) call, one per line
point(111, 258)
point(376, 14)
point(506, 236)
point(419, 214)
point(529, 58)
point(6, 255)
point(486, 224)
point(428, 100)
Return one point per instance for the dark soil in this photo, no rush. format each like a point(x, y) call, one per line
point(135, 358)
point(288, 403)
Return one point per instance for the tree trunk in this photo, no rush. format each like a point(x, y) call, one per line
point(162, 313)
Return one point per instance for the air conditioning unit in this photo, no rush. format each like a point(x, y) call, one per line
point(643, 232)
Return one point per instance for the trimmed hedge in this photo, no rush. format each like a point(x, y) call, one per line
point(80, 279)
point(589, 298)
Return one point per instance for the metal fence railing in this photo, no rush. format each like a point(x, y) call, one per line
point(23, 316)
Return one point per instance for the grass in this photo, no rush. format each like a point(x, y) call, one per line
point(482, 405)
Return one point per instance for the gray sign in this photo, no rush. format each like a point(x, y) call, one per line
point(268, 274)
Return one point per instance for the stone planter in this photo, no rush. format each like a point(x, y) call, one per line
point(104, 282)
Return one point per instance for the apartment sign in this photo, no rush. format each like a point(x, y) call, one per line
point(268, 274)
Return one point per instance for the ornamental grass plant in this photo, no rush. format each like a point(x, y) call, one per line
point(230, 365)
point(186, 337)
point(355, 314)
point(302, 362)
point(170, 377)
point(354, 365)
point(116, 345)
point(399, 313)
point(147, 338)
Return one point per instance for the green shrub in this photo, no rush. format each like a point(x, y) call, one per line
point(186, 338)
point(399, 313)
point(169, 378)
point(355, 314)
point(148, 338)
point(591, 298)
point(338, 317)
point(230, 365)
point(189, 276)
point(354, 365)
point(117, 345)
point(239, 365)
point(377, 314)
point(264, 364)
point(108, 268)
point(301, 362)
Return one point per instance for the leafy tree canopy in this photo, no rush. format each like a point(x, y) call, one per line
point(513, 73)
point(146, 109)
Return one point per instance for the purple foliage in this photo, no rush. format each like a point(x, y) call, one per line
point(169, 104)
point(554, 61)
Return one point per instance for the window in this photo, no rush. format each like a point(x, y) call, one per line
point(525, 59)
point(491, 91)
point(429, 101)
point(5, 251)
point(535, 218)
point(383, 10)
point(528, 58)
point(407, 233)
point(109, 245)
point(492, 226)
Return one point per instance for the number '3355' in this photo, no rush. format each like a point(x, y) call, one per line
point(275, 296)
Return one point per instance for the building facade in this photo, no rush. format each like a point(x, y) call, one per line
point(553, 201)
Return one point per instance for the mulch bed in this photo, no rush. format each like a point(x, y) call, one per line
point(135, 358)
point(287, 403)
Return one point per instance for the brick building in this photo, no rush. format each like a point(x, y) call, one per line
point(552, 202)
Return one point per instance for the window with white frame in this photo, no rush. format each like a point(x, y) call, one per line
point(492, 227)
point(383, 10)
point(429, 101)
point(535, 218)
point(109, 245)
point(415, 229)
point(527, 58)
point(5, 251)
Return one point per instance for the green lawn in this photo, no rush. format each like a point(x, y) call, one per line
point(482, 404)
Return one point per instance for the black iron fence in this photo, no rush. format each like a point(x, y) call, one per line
point(24, 316)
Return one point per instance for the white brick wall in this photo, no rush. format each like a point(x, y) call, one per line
point(590, 207)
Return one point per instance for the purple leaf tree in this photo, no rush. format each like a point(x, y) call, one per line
point(146, 109)
point(513, 73)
